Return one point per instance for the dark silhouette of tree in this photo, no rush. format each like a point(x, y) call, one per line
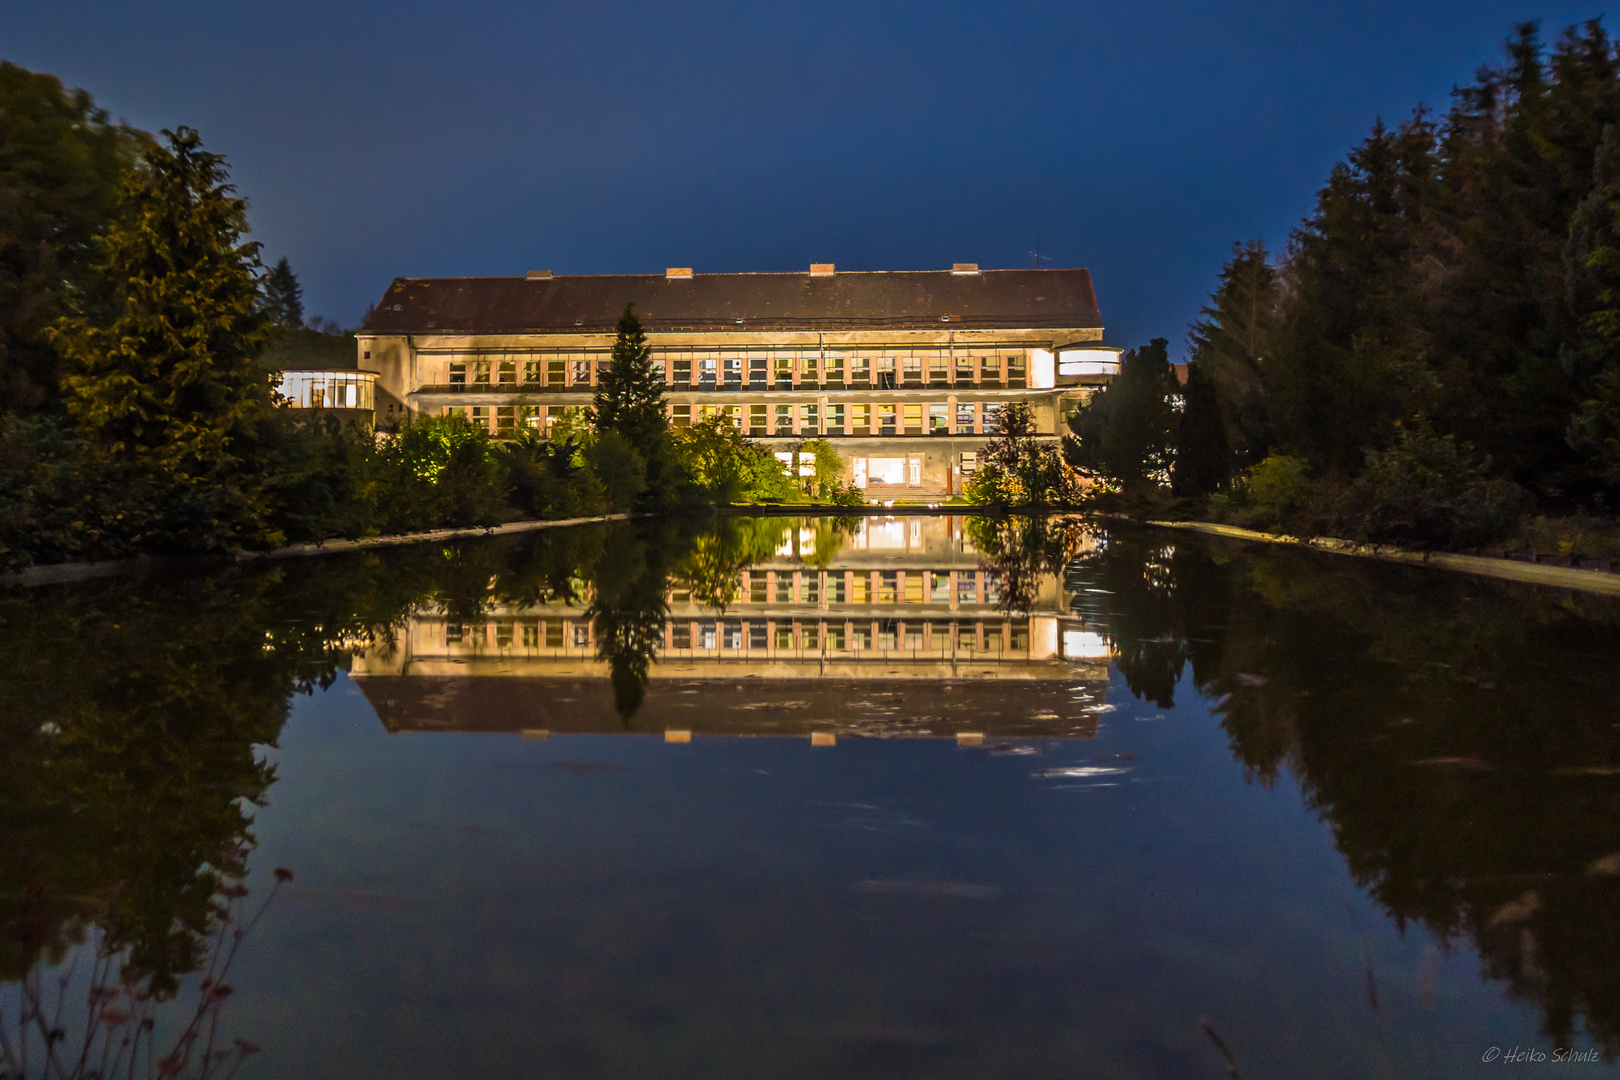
point(62, 163)
point(283, 296)
point(1203, 458)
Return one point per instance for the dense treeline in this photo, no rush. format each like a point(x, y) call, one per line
point(1437, 350)
point(140, 333)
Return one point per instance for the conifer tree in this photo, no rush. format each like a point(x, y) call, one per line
point(283, 296)
point(169, 385)
point(629, 400)
point(1203, 458)
point(61, 166)
point(629, 395)
point(1125, 431)
point(1232, 341)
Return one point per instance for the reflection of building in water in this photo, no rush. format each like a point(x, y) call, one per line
point(900, 628)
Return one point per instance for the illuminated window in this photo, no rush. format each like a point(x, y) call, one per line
point(914, 421)
point(937, 422)
point(967, 588)
point(681, 416)
point(860, 419)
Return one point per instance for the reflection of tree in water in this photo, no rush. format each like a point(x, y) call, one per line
point(129, 718)
point(1022, 551)
point(1458, 735)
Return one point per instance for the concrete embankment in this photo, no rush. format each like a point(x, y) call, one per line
point(81, 571)
point(1561, 577)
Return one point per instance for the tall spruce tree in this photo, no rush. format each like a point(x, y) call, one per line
point(1203, 458)
point(629, 401)
point(629, 396)
point(61, 170)
point(283, 296)
point(169, 385)
point(1125, 431)
point(1592, 280)
point(1231, 343)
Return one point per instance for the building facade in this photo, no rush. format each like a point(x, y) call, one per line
point(905, 372)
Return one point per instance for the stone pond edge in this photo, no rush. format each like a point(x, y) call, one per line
point(1562, 577)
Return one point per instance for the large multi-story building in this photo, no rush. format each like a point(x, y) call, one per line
point(905, 372)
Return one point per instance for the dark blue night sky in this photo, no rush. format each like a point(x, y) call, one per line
point(427, 138)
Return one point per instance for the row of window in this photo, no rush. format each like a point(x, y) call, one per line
point(861, 419)
point(766, 635)
point(734, 370)
point(862, 587)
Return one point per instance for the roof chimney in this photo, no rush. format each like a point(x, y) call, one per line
point(821, 269)
point(539, 275)
point(678, 273)
point(964, 268)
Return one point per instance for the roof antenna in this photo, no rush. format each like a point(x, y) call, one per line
point(1037, 251)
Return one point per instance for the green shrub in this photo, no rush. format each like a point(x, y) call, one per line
point(1427, 491)
point(1282, 497)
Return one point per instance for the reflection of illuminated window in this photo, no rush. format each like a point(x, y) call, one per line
point(860, 636)
point(784, 635)
point(807, 636)
point(914, 587)
point(784, 588)
point(859, 587)
point(887, 585)
point(835, 588)
point(914, 635)
point(939, 636)
point(1085, 645)
point(835, 636)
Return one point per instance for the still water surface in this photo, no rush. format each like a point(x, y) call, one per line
point(805, 798)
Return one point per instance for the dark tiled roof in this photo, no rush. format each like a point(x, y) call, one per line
point(861, 300)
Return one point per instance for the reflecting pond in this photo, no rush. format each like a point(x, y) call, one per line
point(856, 797)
